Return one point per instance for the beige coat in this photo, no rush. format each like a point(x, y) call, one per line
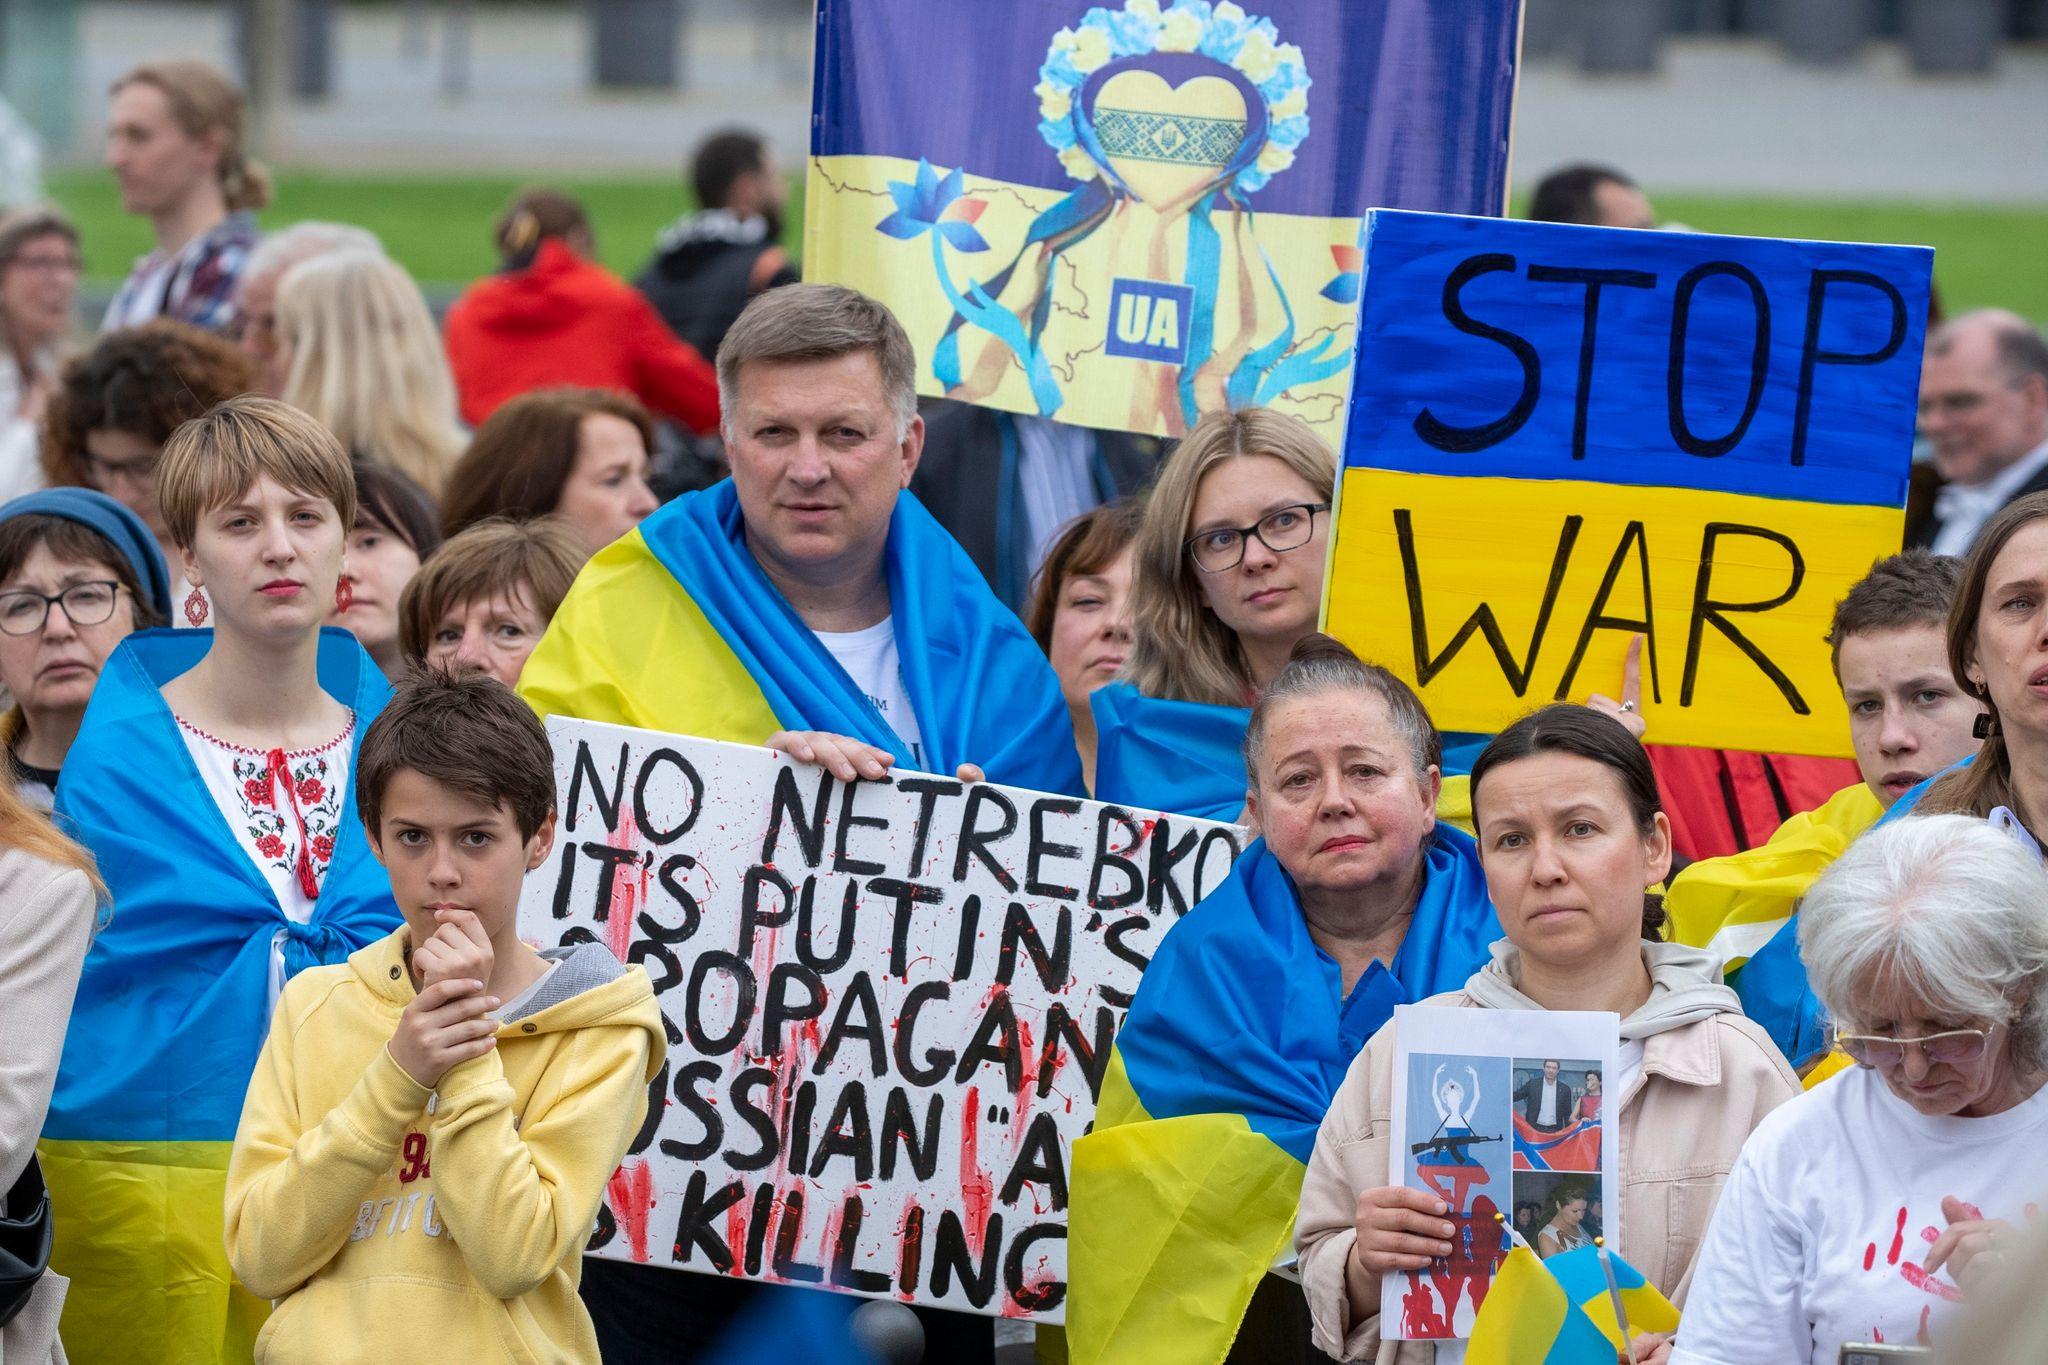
point(1704, 1086)
point(46, 919)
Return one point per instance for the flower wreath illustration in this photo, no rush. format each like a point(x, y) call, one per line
point(1172, 118)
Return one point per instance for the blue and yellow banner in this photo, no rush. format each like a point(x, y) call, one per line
point(1562, 1311)
point(1125, 215)
point(1562, 437)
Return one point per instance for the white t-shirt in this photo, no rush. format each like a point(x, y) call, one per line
point(869, 658)
point(1821, 1230)
point(1546, 1110)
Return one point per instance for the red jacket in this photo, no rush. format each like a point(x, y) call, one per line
point(1720, 801)
point(563, 320)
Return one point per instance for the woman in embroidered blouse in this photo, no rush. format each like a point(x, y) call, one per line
point(211, 779)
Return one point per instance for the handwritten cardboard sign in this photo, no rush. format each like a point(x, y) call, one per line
point(1561, 437)
point(889, 1006)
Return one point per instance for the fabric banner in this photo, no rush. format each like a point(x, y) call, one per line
point(1127, 215)
point(890, 1006)
point(1563, 437)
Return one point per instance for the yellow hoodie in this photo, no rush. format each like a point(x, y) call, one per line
point(392, 1224)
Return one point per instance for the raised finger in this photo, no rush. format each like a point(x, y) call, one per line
point(1945, 1246)
point(1632, 673)
point(465, 923)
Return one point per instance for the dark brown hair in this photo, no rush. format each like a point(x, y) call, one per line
point(524, 452)
point(469, 733)
point(1568, 728)
point(534, 215)
point(147, 381)
point(76, 543)
point(387, 500)
point(535, 559)
point(1088, 545)
point(1987, 783)
point(1911, 589)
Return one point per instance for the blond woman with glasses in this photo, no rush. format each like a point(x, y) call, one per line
point(1870, 1207)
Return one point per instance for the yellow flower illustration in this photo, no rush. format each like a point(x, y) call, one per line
point(1091, 50)
point(1275, 159)
point(1181, 31)
point(1078, 163)
point(1295, 103)
point(1053, 101)
point(1258, 58)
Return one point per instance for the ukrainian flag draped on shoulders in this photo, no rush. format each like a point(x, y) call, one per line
point(675, 628)
point(1184, 1194)
point(1187, 757)
point(172, 1010)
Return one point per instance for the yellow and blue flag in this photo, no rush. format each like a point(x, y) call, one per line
point(675, 628)
point(1559, 1311)
point(1128, 214)
point(1562, 438)
point(172, 1010)
point(1185, 1192)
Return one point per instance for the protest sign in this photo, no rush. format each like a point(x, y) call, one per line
point(1498, 1111)
point(889, 1006)
point(1561, 437)
point(1124, 216)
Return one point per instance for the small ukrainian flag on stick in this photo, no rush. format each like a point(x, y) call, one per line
point(1573, 1309)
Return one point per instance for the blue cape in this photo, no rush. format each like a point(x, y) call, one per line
point(1241, 1013)
point(174, 1003)
point(1187, 757)
point(981, 689)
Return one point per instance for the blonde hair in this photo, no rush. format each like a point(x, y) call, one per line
point(215, 458)
point(204, 101)
point(1180, 651)
point(367, 362)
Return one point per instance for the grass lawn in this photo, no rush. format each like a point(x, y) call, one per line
point(440, 227)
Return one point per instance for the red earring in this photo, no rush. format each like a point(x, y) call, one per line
point(344, 594)
point(195, 608)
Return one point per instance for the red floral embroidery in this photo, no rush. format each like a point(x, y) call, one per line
point(311, 789)
point(257, 790)
point(323, 847)
point(297, 800)
point(270, 846)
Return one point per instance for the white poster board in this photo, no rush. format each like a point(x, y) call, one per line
point(1495, 1110)
point(889, 1006)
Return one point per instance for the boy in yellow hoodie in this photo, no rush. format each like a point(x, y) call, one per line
point(431, 1125)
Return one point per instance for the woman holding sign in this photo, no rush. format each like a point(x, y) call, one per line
point(211, 781)
point(1356, 899)
point(1571, 836)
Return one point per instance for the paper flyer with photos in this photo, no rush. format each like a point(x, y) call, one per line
point(1499, 1112)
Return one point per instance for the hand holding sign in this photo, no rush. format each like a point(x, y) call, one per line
point(849, 759)
point(1399, 1228)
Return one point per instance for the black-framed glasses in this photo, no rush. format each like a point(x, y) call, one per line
point(140, 469)
point(1951, 1047)
point(24, 611)
point(1281, 530)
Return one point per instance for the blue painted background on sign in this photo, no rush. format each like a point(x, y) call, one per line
point(1473, 356)
point(1392, 83)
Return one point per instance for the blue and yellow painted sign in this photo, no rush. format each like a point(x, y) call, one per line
point(1560, 437)
point(1124, 216)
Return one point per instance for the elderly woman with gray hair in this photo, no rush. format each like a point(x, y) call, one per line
point(1865, 1210)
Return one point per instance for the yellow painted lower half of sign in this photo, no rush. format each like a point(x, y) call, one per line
point(1496, 596)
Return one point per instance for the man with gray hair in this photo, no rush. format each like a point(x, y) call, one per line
point(810, 602)
point(1984, 408)
point(255, 326)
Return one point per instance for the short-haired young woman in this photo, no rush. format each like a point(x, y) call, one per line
point(39, 270)
point(78, 573)
point(211, 781)
point(577, 454)
point(485, 598)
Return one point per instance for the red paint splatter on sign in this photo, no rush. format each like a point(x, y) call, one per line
point(628, 889)
point(977, 1189)
point(632, 1193)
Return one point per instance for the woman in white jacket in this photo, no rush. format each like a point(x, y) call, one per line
point(48, 896)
